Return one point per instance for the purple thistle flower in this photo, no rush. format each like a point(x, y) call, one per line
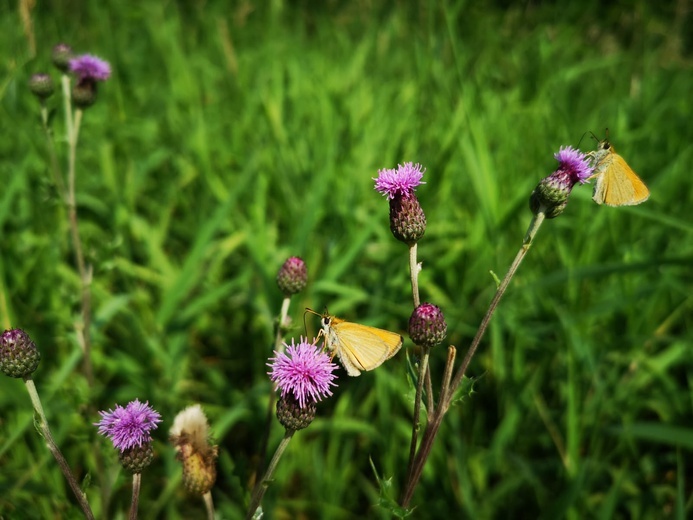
point(304, 371)
point(551, 194)
point(90, 68)
point(402, 181)
point(129, 427)
point(574, 164)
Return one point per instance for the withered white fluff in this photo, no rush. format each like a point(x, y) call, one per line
point(192, 422)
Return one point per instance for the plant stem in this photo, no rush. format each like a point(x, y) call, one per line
point(134, 505)
point(261, 485)
point(84, 272)
point(55, 166)
point(448, 391)
point(209, 505)
point(414, 270)
point(423, 365)
point(53, 447)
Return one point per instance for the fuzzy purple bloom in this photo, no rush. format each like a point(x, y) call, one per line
point(551, 194)
point(574, 163)
point(90, 68)
point(402, 181)
point(304, 371)
point(129, 427)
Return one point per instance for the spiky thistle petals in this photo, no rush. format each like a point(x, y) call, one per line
point(190, 436)
point(551, 194)
point(292, 276)
point(19, 356)
point(402, 181)
point(304, 371)
point(90, 68)
point(130, 426)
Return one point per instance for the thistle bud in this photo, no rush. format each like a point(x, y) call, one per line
point(41, 86)
point(407, 219)
point(19, 356)
point(292, 276)
point(62, 54)
point(292, 416)
point(137, 458)
point(427, 325)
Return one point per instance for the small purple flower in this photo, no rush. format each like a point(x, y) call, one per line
point(304, 371)
point(129, 427)
point(574, 163)
point(402, 181)
point(90, 68)
point(551, 194)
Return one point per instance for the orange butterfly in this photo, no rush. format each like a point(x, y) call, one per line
point(617, 184)
point(359, 347)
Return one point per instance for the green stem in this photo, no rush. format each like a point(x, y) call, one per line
point(414, 269)
point(134, 505)
point(261, 485)
point(53, 447)
point(85, 273)
point(209, 505)
point(55, 165)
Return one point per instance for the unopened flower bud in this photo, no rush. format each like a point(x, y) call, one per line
point(137, 458)
point(292, 416)
point(292, 276)
point(62, 54)
point(41, 86)
point(19, 356)
point(427, 325)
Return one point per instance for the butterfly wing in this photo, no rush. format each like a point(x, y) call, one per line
point(617, 184)
point(360, 347)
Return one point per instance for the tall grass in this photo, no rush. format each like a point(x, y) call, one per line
point(233, 136)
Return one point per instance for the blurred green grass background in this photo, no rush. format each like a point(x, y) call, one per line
point(235, 134)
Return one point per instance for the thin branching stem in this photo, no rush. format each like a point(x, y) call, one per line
point(53, 447)
point(262, 484)
point(448, 392)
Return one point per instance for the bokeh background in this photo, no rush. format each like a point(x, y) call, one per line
point(233, 135)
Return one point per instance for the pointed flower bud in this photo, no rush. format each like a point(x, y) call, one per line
point(292, 276)
point(190, 436)
point(427, 325)
point(407, 219)
point(551, 194)
point(62, 54)
point(19, 356)
point(41, 86)
point(292, 415)
point(137, 458)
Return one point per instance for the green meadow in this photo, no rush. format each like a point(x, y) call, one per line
point(233, 135)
